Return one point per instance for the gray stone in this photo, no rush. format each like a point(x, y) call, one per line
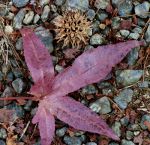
point(113, 143)
point(59, 68)
point(28, 17)
point(19, 44)
point(7, 92)
point(90, 14)
point(18, 109)
point(147, 34)
point(141, 22)
point(144, 118)
point(3, 133)
point(107, 88)
point(10, 16)
point(124, 121)
point(89, 47)
point(116, 22)
point(28, 105)
point(20, 3)
point(18, 85)
point(8, 29)
point(90, 89)
point(134, 36)
point(45, 13)
point(3, 10)
point(126, 142)
point(2, 142)
point(125, 7)
point(134, 127)
point(123, 98)
point(133, 56)
point(10, 77)
point(128, 77)
point(17, 21)
point(36, 18)
point(102, 15)
point(17, 73)
point(137, 30)
point(46, 37)
point(53, 9)
point(59, 2)
point(82, 5)
point(142, 10)
point(144, 84)
point(101, 4)
point(61, 132)
point(95, 27)
point(129, 135)
point(72, 140)
point(91, 143)
point(116, 127)
point(44, 2)
point(97, 39)
point(101, 106)
point(115, 3)
point(124, 33)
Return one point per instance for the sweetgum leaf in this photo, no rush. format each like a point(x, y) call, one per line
point(91, 67)
point(38, 61)
point(79, 116)
point(46, 124)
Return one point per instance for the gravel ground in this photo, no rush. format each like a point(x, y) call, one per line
point(122, 99)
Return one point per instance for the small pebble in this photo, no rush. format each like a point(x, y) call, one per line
point(128, 77)
point(17, 21)
point(19, 44)
point(72, 140)
point(101, 106)
point(123, 98)
point(28, 17)
point(44, 2)
point(147, 34)
point(61, 132)
point(101, 4)
point(126, 142)
point(116, 127)
point(3, 133)
point(91, 143)
point(45, 13)
point(36, 18)
point(134, 36)
point(142, 10)
point(18, 85)
point(20, 3)
point(90, 89)
point(8, 29)
point(82, 5)
point(96, 39)
point(124, 33)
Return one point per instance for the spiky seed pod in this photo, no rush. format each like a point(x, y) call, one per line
point(72, 28)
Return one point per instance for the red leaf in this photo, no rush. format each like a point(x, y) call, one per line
point(38, 61)
point(91, 67)
point(78, 116)
point(46, 123)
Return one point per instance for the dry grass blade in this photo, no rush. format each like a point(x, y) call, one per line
point(7, 49)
